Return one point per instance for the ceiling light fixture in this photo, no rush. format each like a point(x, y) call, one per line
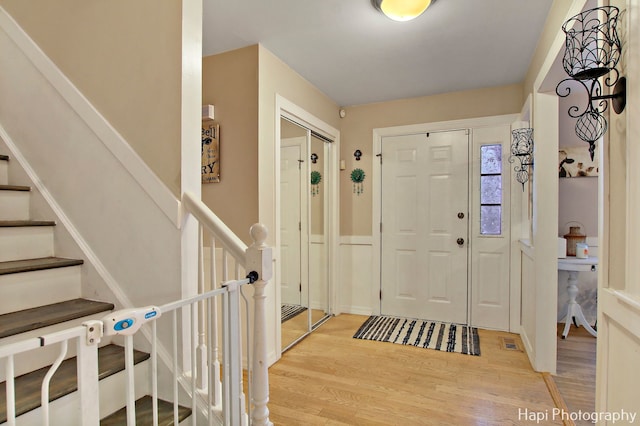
point(401, 10)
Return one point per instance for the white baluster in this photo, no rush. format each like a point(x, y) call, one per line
point(201, 373)
point(11, 391)
point(213, 341)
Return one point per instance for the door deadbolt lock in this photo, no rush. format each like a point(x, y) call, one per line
point(460, 241)
point(460, 215)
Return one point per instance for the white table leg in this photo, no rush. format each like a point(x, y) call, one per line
point(573, 310)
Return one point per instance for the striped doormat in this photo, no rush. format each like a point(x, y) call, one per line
point(425, 334)
point(289, 311)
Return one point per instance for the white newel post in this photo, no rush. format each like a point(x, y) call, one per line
point(259, 258)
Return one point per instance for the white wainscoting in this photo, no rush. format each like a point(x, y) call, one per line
point(528, 313)
point(356, 292)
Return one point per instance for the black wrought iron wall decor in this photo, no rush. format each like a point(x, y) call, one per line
point(357, 154)
point(522, 150)
point(592, 51)
point(314, 158)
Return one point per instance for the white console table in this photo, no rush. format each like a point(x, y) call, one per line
point(572, 310)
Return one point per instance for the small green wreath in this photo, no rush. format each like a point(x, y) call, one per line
point(357, 175)
point(316, 177)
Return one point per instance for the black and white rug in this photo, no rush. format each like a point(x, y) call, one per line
point(421, 333)
point(290, 311)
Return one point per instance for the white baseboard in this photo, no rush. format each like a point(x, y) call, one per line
point(356, 310)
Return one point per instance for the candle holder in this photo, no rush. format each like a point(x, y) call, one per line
point(522, 150)
point(592, 51)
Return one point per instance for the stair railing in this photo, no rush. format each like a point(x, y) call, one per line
point(127, 322)
point(86, 336)
point(234, 254)
point(223, 394)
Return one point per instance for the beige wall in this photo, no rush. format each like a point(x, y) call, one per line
point(577, 197)
point(277, 78)
point(553, 24)
point(242, 85)
point(230, 83)
point(357, 133)
point(131, 72)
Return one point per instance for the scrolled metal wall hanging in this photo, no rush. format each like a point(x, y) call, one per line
point(592, 51)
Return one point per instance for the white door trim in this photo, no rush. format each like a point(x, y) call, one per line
point(378, 134)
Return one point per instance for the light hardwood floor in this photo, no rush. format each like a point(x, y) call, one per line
point(330, 378)
point(296, 327)
point(576, 370)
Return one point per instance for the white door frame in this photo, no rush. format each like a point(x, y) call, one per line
point(286, 108)
point(378, 134)
point(541, 344)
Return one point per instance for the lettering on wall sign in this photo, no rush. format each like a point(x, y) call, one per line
point(210, 152)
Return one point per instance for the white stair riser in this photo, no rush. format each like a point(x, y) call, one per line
point(14, 205)
point(4, 172)
point(64, 411)
point(32, 360)
point(36, 288)
point(25, 242)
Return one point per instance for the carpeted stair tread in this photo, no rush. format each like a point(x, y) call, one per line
point(43, 316)
point(28, 265)
point(144, 414)
point(4, 157)
point(23, 223)
point(64, 381)
point(14, 188)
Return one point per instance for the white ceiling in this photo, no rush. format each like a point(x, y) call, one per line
point(355, 55)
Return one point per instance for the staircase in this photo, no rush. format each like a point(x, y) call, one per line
point(41, 293)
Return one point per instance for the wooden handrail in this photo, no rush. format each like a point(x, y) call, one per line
point(217, 227)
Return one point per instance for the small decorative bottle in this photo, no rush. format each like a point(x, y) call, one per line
point(574, 237)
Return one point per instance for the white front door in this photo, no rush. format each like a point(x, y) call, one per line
point(425, 209)
point(290, 223)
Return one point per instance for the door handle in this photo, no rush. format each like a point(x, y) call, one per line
point(460, 241)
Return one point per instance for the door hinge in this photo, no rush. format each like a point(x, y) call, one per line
point(380, 294)
point(300, 287)
point(380, 226)
point(299, 226)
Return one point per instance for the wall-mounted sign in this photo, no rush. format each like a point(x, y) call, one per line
point(210, 152)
